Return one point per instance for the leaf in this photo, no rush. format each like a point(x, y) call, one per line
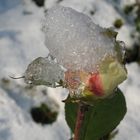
point(100, 119)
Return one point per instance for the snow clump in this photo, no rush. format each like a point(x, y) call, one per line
point(75, 41)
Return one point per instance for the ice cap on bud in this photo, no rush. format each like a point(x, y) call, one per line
point(44, 71)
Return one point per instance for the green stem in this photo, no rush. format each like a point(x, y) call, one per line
point(79, 121)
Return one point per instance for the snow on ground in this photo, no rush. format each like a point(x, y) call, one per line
point(130, 126)
point(21, 41)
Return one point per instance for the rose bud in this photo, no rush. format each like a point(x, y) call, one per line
point(103, 83)
point(98, 85)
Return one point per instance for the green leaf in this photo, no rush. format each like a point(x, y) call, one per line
point(100, 119)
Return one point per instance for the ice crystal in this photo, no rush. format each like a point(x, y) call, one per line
point(75, 41)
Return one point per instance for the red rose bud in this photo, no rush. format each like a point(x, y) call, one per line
point(99, 85)
point(95, 84)
point(102, 84)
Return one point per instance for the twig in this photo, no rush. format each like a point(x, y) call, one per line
point(17, 77)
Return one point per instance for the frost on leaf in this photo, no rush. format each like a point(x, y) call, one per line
point(44, 71)
point(92, 56)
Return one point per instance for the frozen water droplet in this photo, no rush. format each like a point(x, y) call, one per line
point(44, 71)
point(123, 50)
point(75, 41)
point(120, 50)
point(29, 82)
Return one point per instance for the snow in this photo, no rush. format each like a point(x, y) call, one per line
point(131, 89)
point(21, 41)
point(75, 41)
point(16, 122)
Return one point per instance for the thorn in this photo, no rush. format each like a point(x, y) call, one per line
point(50, 57)
point(64, 101)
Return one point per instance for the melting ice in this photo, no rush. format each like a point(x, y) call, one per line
point(44, 71)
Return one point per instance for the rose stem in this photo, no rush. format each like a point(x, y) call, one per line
point(80, 118)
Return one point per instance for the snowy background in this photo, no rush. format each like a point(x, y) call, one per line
point(21, 41)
